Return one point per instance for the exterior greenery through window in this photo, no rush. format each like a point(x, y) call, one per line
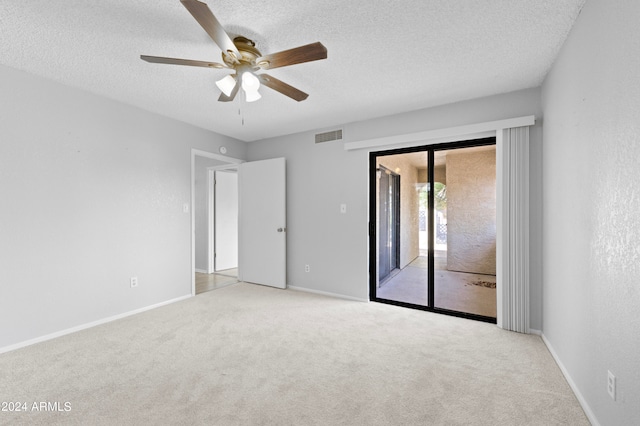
point(440, 197)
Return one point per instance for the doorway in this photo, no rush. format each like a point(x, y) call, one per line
point(202, 212)
point(223, 220)
point(447, 221)
point(222, 229)
point(261, 212)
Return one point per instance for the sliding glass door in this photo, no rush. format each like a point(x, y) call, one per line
point(444, 214)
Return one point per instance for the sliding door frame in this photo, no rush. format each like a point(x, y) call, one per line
point(373, 228)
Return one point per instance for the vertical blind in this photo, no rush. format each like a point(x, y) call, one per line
point(513, 247)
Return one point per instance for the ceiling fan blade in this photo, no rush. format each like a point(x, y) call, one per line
point(211, 25)
point(282, 87)
point(176, 61)
point(297, 55)
point(234, 92)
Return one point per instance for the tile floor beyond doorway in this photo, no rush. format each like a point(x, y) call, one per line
point(452, 289)
point(208, 282)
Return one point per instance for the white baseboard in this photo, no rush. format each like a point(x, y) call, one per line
point(202, 271)
point(326, 293)
point(536, 332)
point(88, 325)
point(585, 406)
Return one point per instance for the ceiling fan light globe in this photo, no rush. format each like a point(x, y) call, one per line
point(252, 95)
point(250, 82)
point(226, 84)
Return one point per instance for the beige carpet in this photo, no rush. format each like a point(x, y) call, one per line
point(251, 355)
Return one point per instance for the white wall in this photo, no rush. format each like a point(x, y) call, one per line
point(591, 101)
point(92, 193)
point(322, 176)
point(319, 179)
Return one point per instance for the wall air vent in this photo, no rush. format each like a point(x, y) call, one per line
point(333, 135)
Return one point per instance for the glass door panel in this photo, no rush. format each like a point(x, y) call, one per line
point(402, 204)
point(465, 230)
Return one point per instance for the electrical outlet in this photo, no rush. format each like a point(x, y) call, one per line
point(134, 282)
point(307, 268)
point(611, 385)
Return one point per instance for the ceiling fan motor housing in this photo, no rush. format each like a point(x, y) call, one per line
point(248, 52)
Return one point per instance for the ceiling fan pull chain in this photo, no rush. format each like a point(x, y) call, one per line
point(241, 114)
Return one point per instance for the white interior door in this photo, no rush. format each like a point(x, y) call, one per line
point(262, 222)
point(226, 220)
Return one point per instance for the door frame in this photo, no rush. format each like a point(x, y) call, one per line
point(373, 228)
point(200, 153)
point(211, 212)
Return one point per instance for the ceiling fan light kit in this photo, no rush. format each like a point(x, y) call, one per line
point(252, 96)
point(250, 82)
point(226, 84)
point(250, 85)
point(241, 56)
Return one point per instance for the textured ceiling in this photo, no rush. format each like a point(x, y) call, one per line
point(383, 57)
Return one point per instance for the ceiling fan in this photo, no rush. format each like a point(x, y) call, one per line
point(241, 55)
